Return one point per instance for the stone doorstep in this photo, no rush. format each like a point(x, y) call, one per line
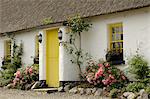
point(48, 90)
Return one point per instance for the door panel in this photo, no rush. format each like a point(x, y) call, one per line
point(52, 67)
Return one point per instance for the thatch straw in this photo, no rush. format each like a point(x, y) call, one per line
point(24, 14)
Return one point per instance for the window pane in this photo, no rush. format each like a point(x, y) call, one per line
point(117, 29)
point(113, 37)
point(121, 44)
point(113, 30)
point(118, 37)
point(120, 29)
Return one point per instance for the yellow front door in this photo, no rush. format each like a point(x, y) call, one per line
point(52, 58)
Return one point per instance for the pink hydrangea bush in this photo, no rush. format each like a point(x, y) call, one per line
point(103, 74)
point(25, 76)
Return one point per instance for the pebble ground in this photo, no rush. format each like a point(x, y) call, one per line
point(19, 94)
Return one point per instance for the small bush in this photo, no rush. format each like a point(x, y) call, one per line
point(138, 66)
point(114, 93)
point(103, 74)
point(148, 73)
point(145, 81)
point(147, 90)
point(135, 87)
point(25, 76)
point(4, 82)
point(11, 65)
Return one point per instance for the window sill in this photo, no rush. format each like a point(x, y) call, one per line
point(117, 62)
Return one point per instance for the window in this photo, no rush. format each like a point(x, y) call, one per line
point(8, 49)
point(116, 42)
point(36, 59)
point(116, 37)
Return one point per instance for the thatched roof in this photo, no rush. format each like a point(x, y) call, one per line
point(24, 14)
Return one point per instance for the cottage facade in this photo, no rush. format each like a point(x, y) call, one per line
point(124, 25)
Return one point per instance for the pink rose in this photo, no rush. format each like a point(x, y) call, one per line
point(107, 65)
point(109, 71)
point(89, 80)
point(100, 70)
point(100, 65)
point(99, 73)
point(123, 77)
point(96, 76)
point(105, 82)
point(103, 75)
point(30, 71)
point(113, 81)
point(15, 81)
point(111, 77)
point(27, 70)
point(18, 74)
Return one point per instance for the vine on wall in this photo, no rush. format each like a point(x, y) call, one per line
point(76, 26)
point(9, 68)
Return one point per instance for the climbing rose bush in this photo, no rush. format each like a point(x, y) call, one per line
point(25, 76)
point(103, 74)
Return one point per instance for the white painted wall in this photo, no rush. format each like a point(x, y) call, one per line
point(28, 40)
point(67, 70)
point(42, 56)
point(137, 33)
point(136, 29)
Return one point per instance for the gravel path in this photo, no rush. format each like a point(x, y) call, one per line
point(18, 94)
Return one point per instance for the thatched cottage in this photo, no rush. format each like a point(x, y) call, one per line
point(122, 24)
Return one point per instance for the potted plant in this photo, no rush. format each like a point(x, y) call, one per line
point(114, 57)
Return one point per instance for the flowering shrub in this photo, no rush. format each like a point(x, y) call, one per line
point(10, 65)
point(25, 76)
point(102, 74)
